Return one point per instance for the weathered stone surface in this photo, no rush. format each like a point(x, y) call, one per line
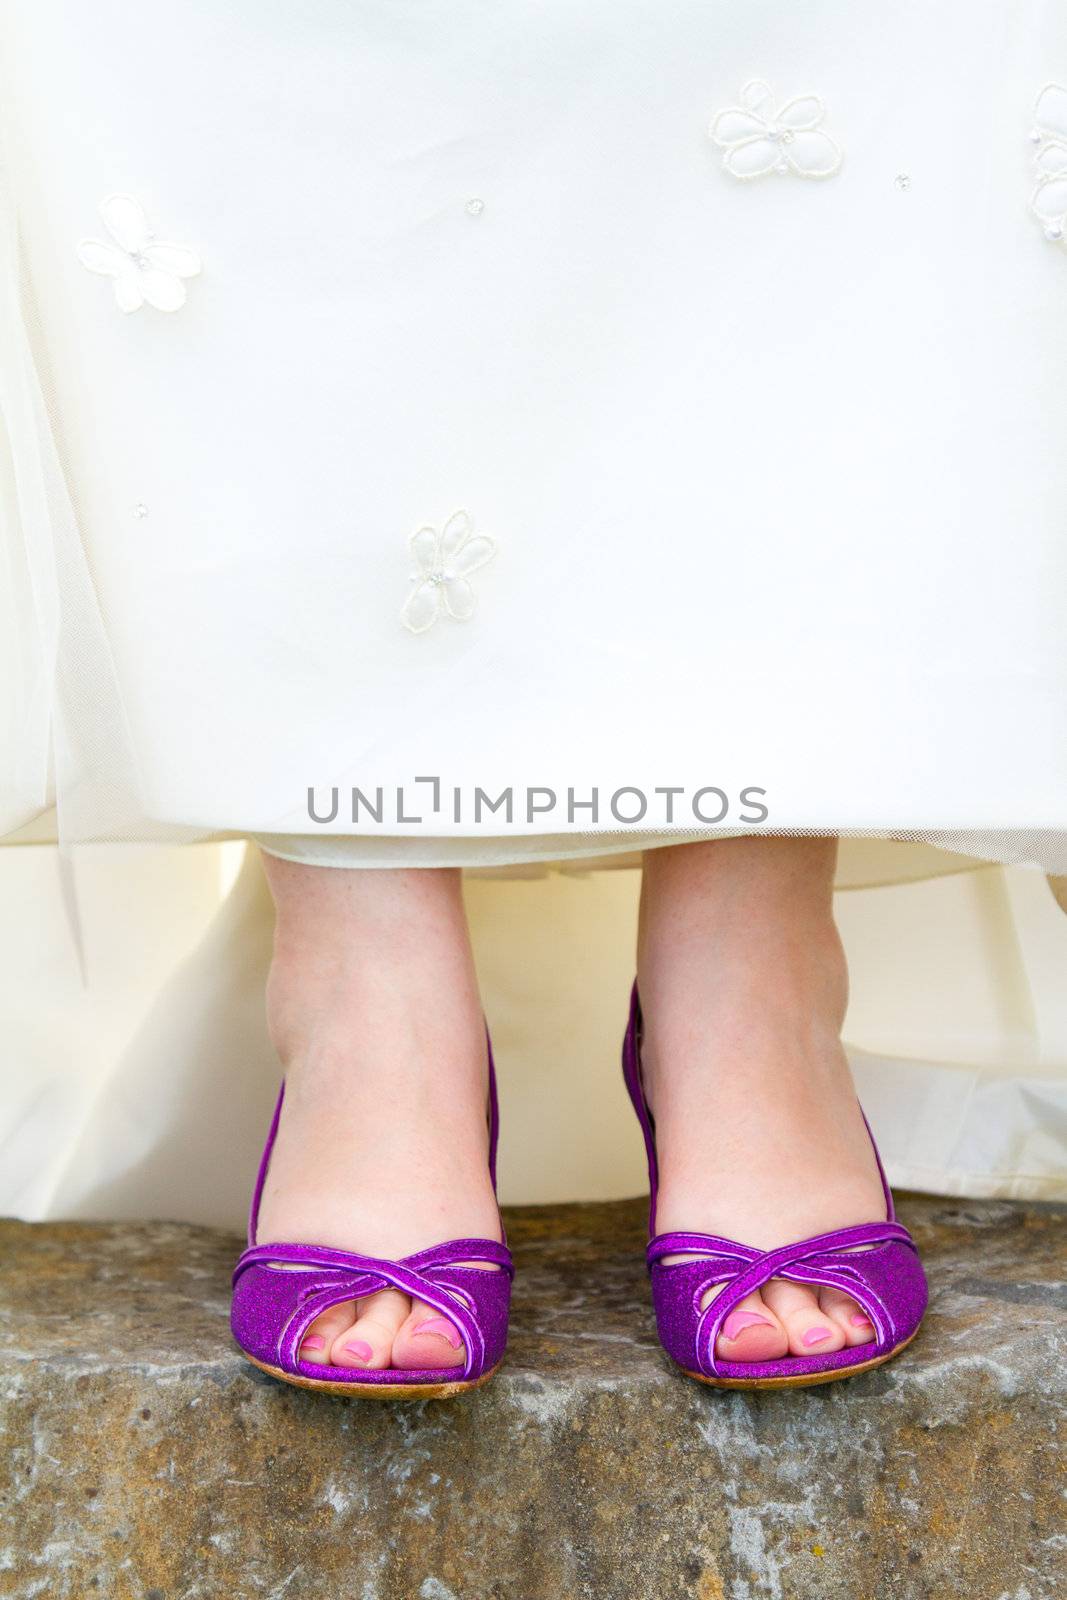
point(144, 1459)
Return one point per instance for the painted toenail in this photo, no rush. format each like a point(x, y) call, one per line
point(313, 1342)
point(360, 1349)
point(815, 1336)
point(858, 1320)
point(442, 1328)
point(737, 1321)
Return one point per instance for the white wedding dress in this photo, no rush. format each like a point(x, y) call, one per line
point(735, 333)
point(720, 345)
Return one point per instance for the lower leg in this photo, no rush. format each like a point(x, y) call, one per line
point(760, 1138)
point(373, 1008)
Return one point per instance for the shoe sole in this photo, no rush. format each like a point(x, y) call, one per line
point(376, 1391)
point(803, 1380)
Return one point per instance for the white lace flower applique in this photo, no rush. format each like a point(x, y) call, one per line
point(143, 268)
point(444, 563)
point(1049, 200)
point(759, 138)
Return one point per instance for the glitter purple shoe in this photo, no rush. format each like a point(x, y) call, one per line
point(886, 1278)
point(273, 1305)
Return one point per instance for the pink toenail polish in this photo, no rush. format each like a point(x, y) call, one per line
point(360, 1349)
point(737, 1321)
point(313, 1342)
point(815, 1336)
point(443, 1328)
point(858, 1320)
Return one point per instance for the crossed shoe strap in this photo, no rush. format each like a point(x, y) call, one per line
point(744, 1270)
point(350, 1276)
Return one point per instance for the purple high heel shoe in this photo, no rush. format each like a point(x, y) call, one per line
point(273, 1307)
point(885, 1278)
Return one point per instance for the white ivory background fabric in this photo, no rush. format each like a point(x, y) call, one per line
point(144, 1089)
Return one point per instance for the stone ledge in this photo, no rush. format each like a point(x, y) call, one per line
point(144, 1460)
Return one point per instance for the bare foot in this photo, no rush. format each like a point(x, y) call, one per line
point(759, 1134)
point(383, 1141)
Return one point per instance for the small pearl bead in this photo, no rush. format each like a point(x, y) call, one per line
point(140, 509)
point(902, 180)
point(475, 207)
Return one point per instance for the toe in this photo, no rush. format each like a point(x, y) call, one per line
point(428, 1339)
point(854, 1322)
point(324, 1330)
point(811, 1331)
point(367, 1342)
point(751, 1331)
